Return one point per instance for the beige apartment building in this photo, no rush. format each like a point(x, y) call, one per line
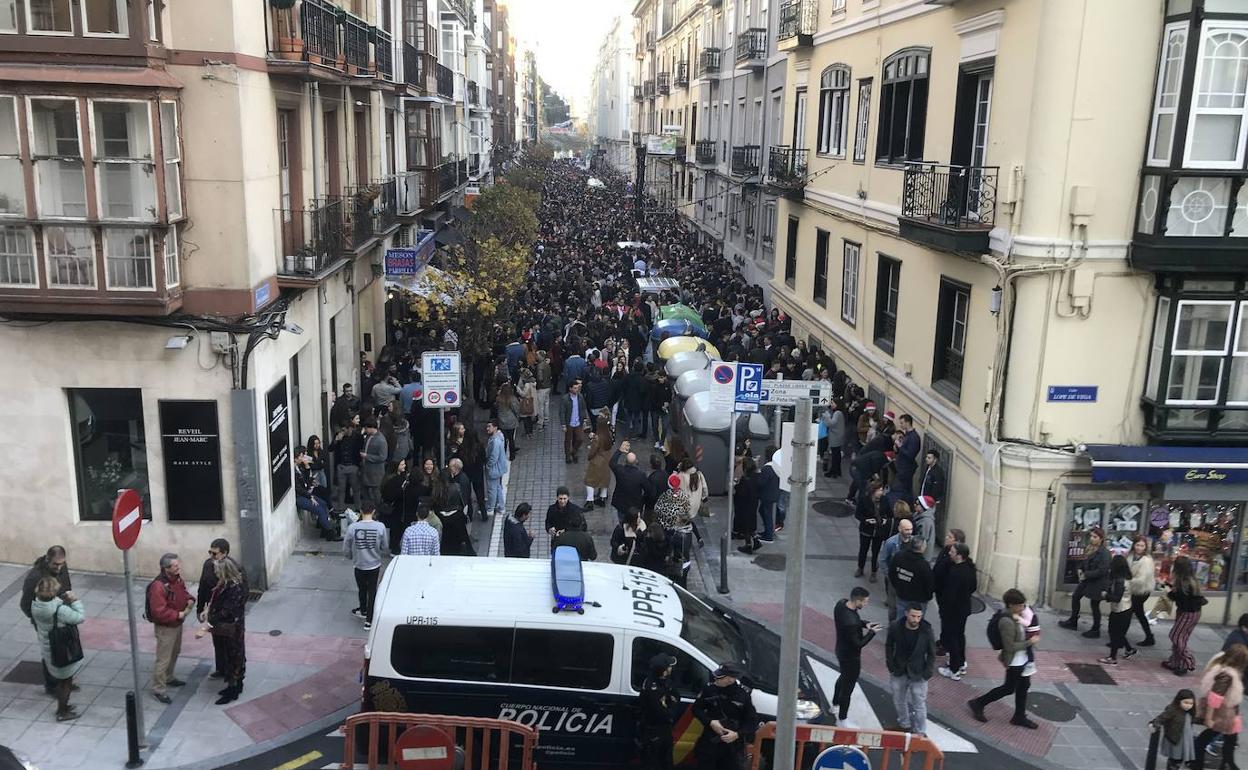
point(196, 202)
point(1018, 222)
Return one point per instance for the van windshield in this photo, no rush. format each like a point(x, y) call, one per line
point(711, 632)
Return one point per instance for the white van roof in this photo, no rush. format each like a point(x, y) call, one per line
point(463, 590)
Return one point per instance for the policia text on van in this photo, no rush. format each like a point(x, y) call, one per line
point(476, 637)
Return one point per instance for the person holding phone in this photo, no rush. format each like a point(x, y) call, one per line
point(852, 634)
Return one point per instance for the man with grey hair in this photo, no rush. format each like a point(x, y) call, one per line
point(632, 487)
point(168, 604)
point(459, 488)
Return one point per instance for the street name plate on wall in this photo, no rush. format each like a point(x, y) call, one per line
point(191, 445)
point(277, 413)
point(1072, 393)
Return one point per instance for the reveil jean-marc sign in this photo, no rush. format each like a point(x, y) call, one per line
point(191, 448)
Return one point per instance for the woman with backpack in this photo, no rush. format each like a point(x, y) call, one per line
point(1007, 634)
point(1185, 595)
point(1119, 599)
point(49, 611)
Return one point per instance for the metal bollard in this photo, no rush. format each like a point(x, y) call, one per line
point(723, 562)
point(132, 731)
point(1154, 742)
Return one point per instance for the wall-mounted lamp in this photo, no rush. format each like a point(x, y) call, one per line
point(178, 341)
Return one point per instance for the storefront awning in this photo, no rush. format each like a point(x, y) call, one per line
point(430, 283)
point(448, 236)
point(1168, 464)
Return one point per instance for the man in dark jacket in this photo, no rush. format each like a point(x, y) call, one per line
point(908, 446)
point(852, 634)
point(910, 654)
point(912, 579)
point(51, 564)
point(768, 495)
point(561, 512)
point(657, 479)
point(577, 537)
point(516, 538)
point(955, 584)
point(217, 550)
point(932, 480)
point(345, 407)
point(632, 488)
point(875, 525)
point(656, 704)
point(346, 446)
point(1093, 580)
point(728, 719)
point(864, 466)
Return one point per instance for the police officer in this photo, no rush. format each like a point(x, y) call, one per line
point(657, 703)
point(728, 719)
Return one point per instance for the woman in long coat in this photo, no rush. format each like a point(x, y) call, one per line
point(226, 616)
point(46, 610)
point(598, 464)
point(1221, 694)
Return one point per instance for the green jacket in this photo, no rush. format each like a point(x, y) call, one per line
point(1013, 638)
point(42, 612)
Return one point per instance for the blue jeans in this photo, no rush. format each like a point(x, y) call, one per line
point(768, 512)
point(495, 495)
point(315, 507)
point(782, 508)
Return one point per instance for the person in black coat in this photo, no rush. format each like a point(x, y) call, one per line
point(632, 488)
point(852, 634)
point(745, 504)
point(657, 705)
point(956, 583)
point(863, 468)
point(768, 496)
point(728, 719)
point(560, 512)
point(577, 537)
point(516, 538)
point(911, 576)
point(1093, 580)
point(875, 525)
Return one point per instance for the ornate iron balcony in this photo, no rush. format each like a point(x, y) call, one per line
point(745, 160)
point(798, 19)
point(786, 167)
point(949, 207)
point(752, 46)
point(708, 61)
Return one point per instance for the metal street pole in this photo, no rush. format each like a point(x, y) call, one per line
point(777, 419)
point(801, 479)
point(134, 647)
point(442, 437)
point(725, 542)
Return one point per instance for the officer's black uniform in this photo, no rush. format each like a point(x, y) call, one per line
point(657, 702)
point(734, 709)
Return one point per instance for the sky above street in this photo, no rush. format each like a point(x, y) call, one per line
point(565, 35)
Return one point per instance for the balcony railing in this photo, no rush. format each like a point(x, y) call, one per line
point(786, 167)
point(949, 207)
point(314, 39)
point(474, 94)
point(489, 99)
point(637, 96)
point(708, 61)
point(312, 238)
point(745, 160)
point(681, 80)
point(647, 88)
point(383, 54)
point(638, 139)
point(474, 164)
point(355, 37)
point(1191, 219)
point(650, 38)
point(751, 45)
point(664, 83)
point(704, 152)
point(798, 19)
point(416, 68)
point(446, 81)
point(448, 177)
point(463, 8)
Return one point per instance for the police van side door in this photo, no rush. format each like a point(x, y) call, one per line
point(566, 684)
point(689, 676)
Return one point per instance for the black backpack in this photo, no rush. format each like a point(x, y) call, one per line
point(994, 630)
point(147, 600)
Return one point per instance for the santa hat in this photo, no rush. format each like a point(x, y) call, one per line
point(889, 415)
point(926, 503)
point(890, 455)
point(869, 406)
point(673, 482)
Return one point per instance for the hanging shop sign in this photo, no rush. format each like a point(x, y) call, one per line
point(191, 448)
point(410, 261)
point(277, 411)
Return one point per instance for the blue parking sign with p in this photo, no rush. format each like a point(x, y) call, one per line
point(749, 391)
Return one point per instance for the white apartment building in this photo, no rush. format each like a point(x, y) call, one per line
point(611, 96)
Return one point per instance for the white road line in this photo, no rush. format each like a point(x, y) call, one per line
point(863, 717)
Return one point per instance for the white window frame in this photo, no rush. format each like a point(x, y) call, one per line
point(34, 255)
point(173, 267)
point(35, 159)
point(151, 259)
point(958, 324)
point(862, 127)
point(851, 257)
point(47, 258)
point(123, 14)
point(1242, 310)
point(1153, 159)
point(1214, 26)
point(17, 134)
point(833, 111)
point(12, 4)
point(30, 25)
point(769, 225)
point(165, 159)
point(101, 162)
point(1219, 354)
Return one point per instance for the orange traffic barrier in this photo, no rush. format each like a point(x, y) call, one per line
point(487, 744)
point(812, 739)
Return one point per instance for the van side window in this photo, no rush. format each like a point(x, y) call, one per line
point(450, 652)
point(688, 677)
point(563, 659)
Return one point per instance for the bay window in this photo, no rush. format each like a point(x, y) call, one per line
point(71, 257)
point(50, 17)
point(1219, 110)
point(128, 257)
point(17, 257)
point(126, 179)
point(105, 18)
point(1166, 101)
point(171, 144)
point(12, 184)
point(173, 272)
point(60, 177)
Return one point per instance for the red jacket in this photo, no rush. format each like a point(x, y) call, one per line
point(166, 598)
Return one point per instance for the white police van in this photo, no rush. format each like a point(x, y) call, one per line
point(477, 637)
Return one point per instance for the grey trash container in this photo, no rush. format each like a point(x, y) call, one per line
point(706, 438)
point(694, 381)
point(690, 360)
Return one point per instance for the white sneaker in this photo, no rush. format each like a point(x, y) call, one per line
point(356, 612)
point(846, 723)
point(962, 670)
point(949, 673)
point(1029, 669)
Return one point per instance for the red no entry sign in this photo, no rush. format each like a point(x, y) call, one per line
point(424, 747)
point(127, 519)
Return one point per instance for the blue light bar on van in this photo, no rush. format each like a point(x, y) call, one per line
point(566, 580)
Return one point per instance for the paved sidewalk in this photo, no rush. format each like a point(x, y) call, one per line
point(1104, 725)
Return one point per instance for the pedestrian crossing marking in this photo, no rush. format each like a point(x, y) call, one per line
point(298, 762)
point(863, 717)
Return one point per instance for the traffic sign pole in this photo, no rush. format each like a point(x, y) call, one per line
point(127, 523)
point(725, 542)
point(134, 648)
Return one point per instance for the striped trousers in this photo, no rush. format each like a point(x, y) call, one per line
point(1180, 659)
